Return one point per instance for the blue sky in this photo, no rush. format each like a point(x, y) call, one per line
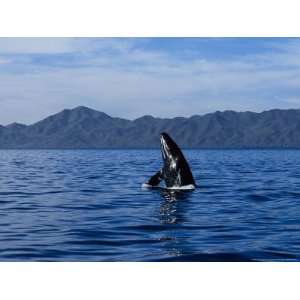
point(131, 77)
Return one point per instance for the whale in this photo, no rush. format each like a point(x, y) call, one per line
point(176, 172)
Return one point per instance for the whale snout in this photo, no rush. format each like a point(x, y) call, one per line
point(166, 146)
point(164, 138)
point(164, 135)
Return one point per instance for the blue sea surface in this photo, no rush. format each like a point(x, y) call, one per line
point(88, 205)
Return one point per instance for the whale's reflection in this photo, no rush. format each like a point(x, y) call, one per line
point(172, 214)
point(172, 206)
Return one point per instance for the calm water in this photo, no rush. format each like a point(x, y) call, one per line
point(88, 205)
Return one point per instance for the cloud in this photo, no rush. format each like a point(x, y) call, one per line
point(26, 46)
point(35, 45)
point(4, 61)
point(128, 78)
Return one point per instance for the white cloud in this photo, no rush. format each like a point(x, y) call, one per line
point(35, 45)
point(60, 45)
point(294, 101)
point(4, 61)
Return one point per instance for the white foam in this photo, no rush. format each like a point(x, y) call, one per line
point(184, 187)
point(147, 186)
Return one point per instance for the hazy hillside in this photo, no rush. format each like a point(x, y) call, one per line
point(86, 128)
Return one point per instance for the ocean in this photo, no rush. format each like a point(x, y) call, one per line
point(88, 205)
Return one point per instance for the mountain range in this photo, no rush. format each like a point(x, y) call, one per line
point(83, 127)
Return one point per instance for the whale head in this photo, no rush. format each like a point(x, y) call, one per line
point(169, 149)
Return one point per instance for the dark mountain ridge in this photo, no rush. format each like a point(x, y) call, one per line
point(83, 127)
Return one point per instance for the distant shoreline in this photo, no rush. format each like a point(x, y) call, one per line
point(85, 128)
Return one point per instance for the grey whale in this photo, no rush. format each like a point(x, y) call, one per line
point(175, 172)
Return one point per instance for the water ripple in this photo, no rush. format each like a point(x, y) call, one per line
point(87, 205)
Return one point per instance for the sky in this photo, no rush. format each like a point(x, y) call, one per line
point(132, 77)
